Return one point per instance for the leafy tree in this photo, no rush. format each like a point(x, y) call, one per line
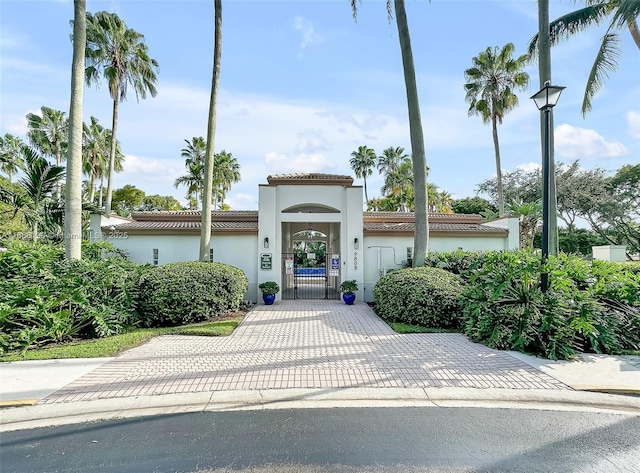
point(34, 197)
point(121, 56)
point(421, 232)
point(490, 91)
point(127, 199)
point(621, 14)
point(95, 149)
point(194, 157)
point(472, 205)
point(11, 158)
point(529, 214)
point(49, 132)
point(159, 202)
point(578, 241)
point(362, 162)
point(205, 227)
point(73, 188)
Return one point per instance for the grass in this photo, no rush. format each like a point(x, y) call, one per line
point(408, 328)
point(112, 346)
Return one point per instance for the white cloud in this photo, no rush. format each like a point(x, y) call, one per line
point(528, 167)
point(153, 176)
point(306, 29)
point(633, 120)
point(302, 162)
point(580, 143)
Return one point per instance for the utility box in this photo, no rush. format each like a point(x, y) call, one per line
point(609, 252)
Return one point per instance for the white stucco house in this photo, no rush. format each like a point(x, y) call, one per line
point(308, 234)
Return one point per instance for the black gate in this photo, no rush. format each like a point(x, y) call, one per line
point(311, 280)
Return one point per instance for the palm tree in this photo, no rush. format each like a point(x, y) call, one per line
point(529, 214)
point(205, 221)
point(49, 133)
point(390, 159)
point(121, 56)
point(362, 162)
point(73, 188)
point(490, 87)
point(95, 150)
point(194, 156)
point(622, 14)
point(421, 233)
point(400, 183)
point(226, 171)
point(35, 198)
point(11, 158)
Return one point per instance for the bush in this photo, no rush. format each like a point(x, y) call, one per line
point(420, 296)
point(47, 299)
point(187, 292)
point(589, 306)
point(456, 262)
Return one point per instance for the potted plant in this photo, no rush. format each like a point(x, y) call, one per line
point(269, 290)
point(348, 289)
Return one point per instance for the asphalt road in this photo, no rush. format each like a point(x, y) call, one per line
point(372, 440)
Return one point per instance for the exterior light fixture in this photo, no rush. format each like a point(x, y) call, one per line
point(545, 100)
point(266, 242)
point(356, 243)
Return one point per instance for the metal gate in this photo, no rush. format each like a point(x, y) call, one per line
point(311, 280)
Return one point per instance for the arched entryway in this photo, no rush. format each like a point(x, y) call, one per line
point(310, 260)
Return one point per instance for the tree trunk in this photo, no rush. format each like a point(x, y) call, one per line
point(544, 71)
point(496, 147)
point(73, 190)
point(421, 232)
point(112, 156)
point(205, 230)
point(101, 189)
point(366, 196)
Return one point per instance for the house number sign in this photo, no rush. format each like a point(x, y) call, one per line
point(265, 261)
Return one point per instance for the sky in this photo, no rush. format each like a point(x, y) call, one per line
point(302, 85)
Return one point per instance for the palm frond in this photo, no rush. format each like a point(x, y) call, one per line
point(606, 61)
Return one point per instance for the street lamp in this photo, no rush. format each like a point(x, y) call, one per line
point(545, 100)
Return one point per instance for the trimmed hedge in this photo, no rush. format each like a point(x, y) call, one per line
point(420, 296)
point(188, 292)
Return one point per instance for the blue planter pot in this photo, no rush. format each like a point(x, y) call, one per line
point(268, 298)
point(348, 298)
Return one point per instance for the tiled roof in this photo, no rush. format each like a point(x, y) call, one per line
point(434, 227)
point(310, 178)
point(195, 215)
point(395, 217)
point(184, 226)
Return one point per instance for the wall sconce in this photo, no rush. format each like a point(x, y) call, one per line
point(266, 242)
point(356, 243)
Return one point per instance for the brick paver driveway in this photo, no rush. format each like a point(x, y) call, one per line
point(304, 344)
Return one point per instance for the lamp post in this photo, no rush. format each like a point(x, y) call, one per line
point(545, 100)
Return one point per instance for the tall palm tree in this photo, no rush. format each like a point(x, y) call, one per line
point(621, 14)
point(400, 182)
point(95, 150)
point(226, 171)
point(491, 83)
point(421, 233)
point(390, 159)
point(362, 162)
point(73, 188)
point(49, 133)
point(194, 158)
point(121, 56)
point(11, 157)
point(205, 221)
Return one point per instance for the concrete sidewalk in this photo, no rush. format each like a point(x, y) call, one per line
point(318, 352)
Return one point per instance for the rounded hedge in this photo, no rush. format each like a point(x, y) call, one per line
point(188, 292)
point(420, 296)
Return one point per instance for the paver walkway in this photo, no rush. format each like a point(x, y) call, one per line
point(304, 344)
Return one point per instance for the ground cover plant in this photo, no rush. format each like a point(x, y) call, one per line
point(46, 299)
point(590, 306)
point(428, 297)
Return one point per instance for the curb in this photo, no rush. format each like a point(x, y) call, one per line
point(46, 415)
point(18, 403)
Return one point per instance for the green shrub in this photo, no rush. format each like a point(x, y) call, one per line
point(47, 299)
point(456, 262)
point(187, 292)
point(589, 306)
point(420, 296)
